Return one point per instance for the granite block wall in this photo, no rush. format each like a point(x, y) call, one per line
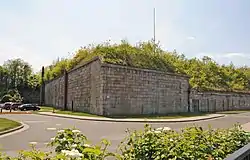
point(54, 92)
point(212, 101)
point(107, 89)
point(84, 88)
point(133, 91)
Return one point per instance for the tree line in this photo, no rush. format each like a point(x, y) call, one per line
point(17, 75)
point(205, 73)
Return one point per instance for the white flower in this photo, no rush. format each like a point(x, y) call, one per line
point(33, 143)
point(157, 132)
point(171, 140)
point(74, 145)
point(159, 129)
point(52, 139)
point(76, 131)
point(163, 129)
point(166, 129)
point(64, 139)
point(60, 131)
point(86, 145)
point(72, 154)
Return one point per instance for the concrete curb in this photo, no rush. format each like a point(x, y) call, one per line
point(12, 130)
point(201, 118)
point(15, 113)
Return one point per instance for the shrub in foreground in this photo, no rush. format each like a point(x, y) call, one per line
point(191, 143)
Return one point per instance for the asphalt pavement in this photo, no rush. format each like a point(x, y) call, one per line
point(42, 128)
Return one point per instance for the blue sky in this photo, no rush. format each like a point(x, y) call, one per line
point(41, 31)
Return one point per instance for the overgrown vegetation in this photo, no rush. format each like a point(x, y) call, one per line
point(191, 143)
point(16, 75)
point(204, 73)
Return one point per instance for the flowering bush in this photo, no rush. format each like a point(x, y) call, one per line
point(191, 143)
point(73, 144)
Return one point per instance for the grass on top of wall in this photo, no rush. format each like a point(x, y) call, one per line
point(169, 116)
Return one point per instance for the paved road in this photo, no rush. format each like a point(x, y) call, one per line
point(42, 129)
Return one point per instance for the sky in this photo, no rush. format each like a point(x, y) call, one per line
point(41, 31)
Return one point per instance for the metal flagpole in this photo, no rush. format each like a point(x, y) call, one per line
point(154, 29)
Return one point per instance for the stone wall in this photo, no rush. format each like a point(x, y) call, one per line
point(133, 91)
point(54, 92)
point(106, 89)
point(212, 101)
point(84, 88)
point(30, 95)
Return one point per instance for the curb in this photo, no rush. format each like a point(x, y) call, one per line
point(12, 130)
point(15, 113)
point(134, 120)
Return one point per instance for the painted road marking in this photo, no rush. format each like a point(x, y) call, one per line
point(33, 143)
point(51, 129)
point(58, 124)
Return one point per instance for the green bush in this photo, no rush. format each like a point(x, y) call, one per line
point(7, 98)
point(12, 95)
point(73, 142)
point(192, 143)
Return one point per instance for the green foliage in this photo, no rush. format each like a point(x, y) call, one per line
point(17, 73)
point(12, 95)
point(74, 143)
point(191, 144)
point(6, 98)
point(205, 73)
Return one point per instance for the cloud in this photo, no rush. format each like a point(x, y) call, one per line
point(229, 55)
point(13, 51)
point(190, 38)
point(238, 58)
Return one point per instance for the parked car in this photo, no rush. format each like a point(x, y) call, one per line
point(7, 105)
point(15, 106)
point(27, 107)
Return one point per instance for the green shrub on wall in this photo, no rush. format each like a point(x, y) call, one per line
point(204, 73)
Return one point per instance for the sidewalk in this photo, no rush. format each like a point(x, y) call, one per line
point(188, 119)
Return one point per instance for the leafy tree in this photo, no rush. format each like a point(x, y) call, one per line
point(19, 71)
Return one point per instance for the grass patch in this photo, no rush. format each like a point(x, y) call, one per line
point(234, 112)
point(50, 109)
point(6, 124)
point(169, 116)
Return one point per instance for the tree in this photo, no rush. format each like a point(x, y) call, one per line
point(19, 72)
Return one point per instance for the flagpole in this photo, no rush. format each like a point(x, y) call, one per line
point(154, 19)
point(154, 25)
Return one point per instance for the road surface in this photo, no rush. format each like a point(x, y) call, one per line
point(42, 128)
